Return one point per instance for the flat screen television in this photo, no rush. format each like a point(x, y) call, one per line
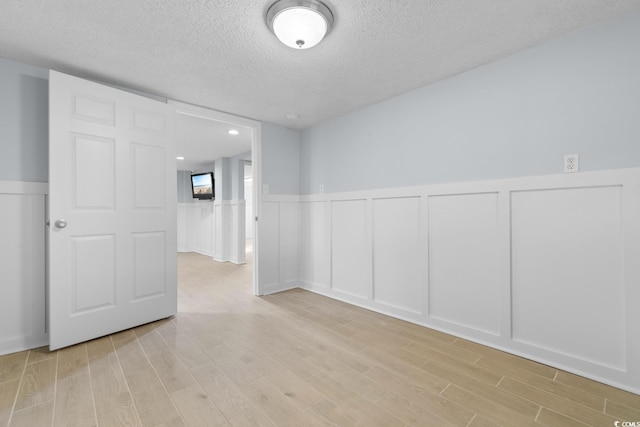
point(202, 186)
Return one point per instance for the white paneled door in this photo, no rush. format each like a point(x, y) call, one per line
point(112, 211)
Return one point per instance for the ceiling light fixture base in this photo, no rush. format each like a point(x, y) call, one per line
point(299, 24)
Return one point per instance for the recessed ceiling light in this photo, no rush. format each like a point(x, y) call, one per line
point(179, 158)
point(299, 24)
point(233, 132)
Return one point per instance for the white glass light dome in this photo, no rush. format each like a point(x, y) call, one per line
point(299, 24)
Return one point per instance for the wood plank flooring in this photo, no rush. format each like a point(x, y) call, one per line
point(291, 359)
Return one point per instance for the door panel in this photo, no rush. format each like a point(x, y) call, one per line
point(93, 165)
point(149, 268)
point(112, 180)
point(101, 294)
point(147, 170)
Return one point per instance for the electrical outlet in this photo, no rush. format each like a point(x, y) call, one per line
point(321, 188)
point(265, 189)
point(571, 163)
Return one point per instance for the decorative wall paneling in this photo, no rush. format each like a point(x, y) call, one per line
point(214, 229)
point(237, 234)
point(543, 267)
point(22, 266)
point(196, 228)
point(222, 233)
point(249, 216)
point(315, 244)
point(279, 243)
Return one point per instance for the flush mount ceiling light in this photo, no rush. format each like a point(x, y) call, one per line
point(299, 24)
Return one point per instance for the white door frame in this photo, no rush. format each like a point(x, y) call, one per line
point(256, 157)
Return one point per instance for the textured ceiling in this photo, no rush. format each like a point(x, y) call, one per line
point(200, 141)
point(220, 54)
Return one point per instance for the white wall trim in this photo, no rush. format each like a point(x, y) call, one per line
point(582, 179)
point(282, 198)
point(23, 187)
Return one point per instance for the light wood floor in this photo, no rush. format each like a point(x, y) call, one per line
point(291, 359)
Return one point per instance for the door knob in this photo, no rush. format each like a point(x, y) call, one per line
point(60, 223)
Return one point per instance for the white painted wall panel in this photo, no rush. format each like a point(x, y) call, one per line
point(568, 273)
point(269, 257)
point(314, 244)
point(233, 232)
point(398, 255)
point(204, 230)
point(544, 267)
point(237, 235)
point(464, 285)
point(351, 248)
point(193, 225)
point(219, 220)
point(22, 267)
point(181, 215)
point(249, 216)
point(289, 243)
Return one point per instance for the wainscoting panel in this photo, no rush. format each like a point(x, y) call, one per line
point(196, 228)
point(238, 232)
point(205, 219)
point(182, 229)
point(350, 248)
point(464, 268)
point(22, 266)
point(289, 223)
point(221, 229)
point(398, 253)
point(269, 247)
point(314, 244)
point(214, 229)
point(543, 267)
point(568, 287)
point(279, 220)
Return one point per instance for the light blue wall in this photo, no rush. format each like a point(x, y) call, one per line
point(24, 122)
point(280, 159)
point(237, 175)
point(222, 177)
point(515, 117)
point(184, 187)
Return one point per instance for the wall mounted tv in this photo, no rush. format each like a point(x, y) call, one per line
point(202, 186)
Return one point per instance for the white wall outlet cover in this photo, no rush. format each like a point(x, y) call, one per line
point(571, 163)
point(265, 189)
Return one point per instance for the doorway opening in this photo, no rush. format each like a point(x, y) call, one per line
point(224, 227)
